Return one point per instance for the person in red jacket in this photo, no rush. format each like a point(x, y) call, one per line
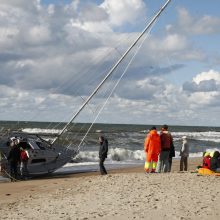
point(206, 160)
point(24, 162)
point(152, 150)
point(166, 145)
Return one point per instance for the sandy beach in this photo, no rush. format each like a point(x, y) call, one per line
point(122, 194)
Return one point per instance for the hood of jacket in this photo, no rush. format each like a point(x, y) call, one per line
point(153, 132)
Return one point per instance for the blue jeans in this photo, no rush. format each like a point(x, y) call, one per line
point(163, 163)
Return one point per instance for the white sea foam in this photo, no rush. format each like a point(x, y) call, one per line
point(128, 139)
point(121, 154)
point(124, 155)
point(86, 156)
point(41, 131)
point(114, 154)
point(203, 136)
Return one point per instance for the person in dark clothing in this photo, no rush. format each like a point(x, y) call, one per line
point(166, 140)
point(103, 151)
point(215, 162)
point(14, 159)
point(172, 154)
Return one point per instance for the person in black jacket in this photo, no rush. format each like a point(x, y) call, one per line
point(103, 151)
point(171, 155)
point(215, 162)
point(14, 159)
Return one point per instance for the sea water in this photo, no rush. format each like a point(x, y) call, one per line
point(125, 142)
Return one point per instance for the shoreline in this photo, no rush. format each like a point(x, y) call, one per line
point(126, 193)
point(28, 185)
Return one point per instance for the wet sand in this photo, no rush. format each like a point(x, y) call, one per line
point(122, 194)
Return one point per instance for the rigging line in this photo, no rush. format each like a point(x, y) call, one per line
point(71, 142)
point(75, 135)
point(105, 94)
point(96, 59)
point(93, 110)
point(94, 79)
point(106, 90)
point(115, 86)
point(113, 68)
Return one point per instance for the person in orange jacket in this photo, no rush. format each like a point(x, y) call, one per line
point(152, 149)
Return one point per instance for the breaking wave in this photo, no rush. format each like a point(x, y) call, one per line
point(124, 155)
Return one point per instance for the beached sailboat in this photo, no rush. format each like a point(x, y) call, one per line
point(47, 156)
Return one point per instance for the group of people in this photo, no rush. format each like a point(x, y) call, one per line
point(211, 161)
point(17, 157)
point(160, 150)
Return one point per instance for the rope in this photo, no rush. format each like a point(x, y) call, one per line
point(4, 171)
point(67, 83)
point(8, 175)
point(96, 110)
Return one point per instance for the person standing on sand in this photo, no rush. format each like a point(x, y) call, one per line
point(166, 140)
point(103, 151)
point(172, 154)
point(152, 150)
point(184, 154)
point(14, 159)
point(24, 161)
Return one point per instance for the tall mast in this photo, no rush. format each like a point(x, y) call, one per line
point(112, 70)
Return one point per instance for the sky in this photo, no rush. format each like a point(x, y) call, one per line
point(53, 53)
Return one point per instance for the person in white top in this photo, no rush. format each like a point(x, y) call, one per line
point(184, 154)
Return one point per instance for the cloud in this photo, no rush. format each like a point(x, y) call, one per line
point(23, 4)
point(210, 75)
point(53, 56)
point(190, 25)
point(204, 86)
point(204, 82)
point(127, 11)
point(203, 95)
point(38, 35)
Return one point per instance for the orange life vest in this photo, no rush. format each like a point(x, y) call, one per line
point(152, 143)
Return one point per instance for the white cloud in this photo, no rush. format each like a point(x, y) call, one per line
point(38, 34)
point(93, 27)
point(204, 82)
point(126, 11)
point(8, 37)
point(174, 42)
point(21, 3)
point(51, 9)
point(195, 25)
point(52, 56)
point(201, 99)
point(205, 76)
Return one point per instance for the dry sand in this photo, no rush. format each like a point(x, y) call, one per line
point(123, 194)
